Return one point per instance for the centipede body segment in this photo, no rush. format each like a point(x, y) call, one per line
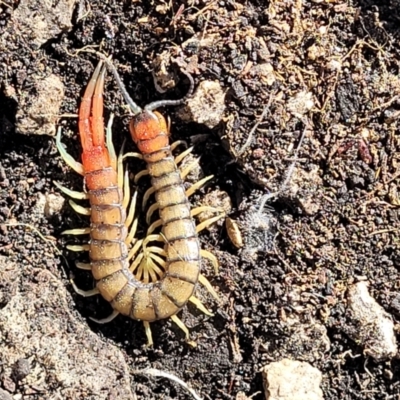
point(140, 280)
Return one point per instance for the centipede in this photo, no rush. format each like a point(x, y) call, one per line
point(154, 277)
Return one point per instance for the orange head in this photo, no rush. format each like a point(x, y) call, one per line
point(149, 131)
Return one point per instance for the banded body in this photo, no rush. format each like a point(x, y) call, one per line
point(143, 282)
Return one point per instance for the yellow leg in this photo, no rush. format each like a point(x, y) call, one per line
point(181, 325)
point(75, 165)
point(158, 250)
point(131, 212)
point(132, 154)
point(198, 210)
point(212, 258)
point(178, 159)
point(198, 185)
point(131, 235)
point(135, 249)
point(77, 231)
point(204, 281)
point(148, 333)
point(154, 226)
point(72, 193)
point(110, 145)
point(127, 191)
point(208, 222)
point(84, 293)
point(136, 262)
point(140, 175)
point(154, 272)
point(176, 144)
point(186, 171)
point(194, 300)
point(113, 315)
point(146, 196)
point(150, 212)
point(79, 209)
point(85, 266)
point(78, 247)
point(153, 238)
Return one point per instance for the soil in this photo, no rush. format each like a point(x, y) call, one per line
point(328, 70)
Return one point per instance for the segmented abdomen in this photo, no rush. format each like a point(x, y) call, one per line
point(109, 253)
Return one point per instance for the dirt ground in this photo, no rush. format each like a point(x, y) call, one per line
point(325, 69)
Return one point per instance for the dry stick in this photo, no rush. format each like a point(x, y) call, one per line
point(261, 119)
point(156, 372)
point(38, 233)
point(289, 174)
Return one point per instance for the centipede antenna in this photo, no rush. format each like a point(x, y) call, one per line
point(163, 103)
point(133, 106)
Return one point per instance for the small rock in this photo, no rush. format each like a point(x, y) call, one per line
point(300, 104)
point(8, 384)
point(38, 114)
point(291, 379)
point(21, 369)
point(4, 395)
point(40, 205)
point(307, 339)
point(303, 187)
point(206, 106)
point(163, 78)
point(43, 20)
point(372, 327)
point(69, 358)
point(265, 72)
point(54, 204)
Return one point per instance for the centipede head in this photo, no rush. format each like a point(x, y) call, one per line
point(149, 130)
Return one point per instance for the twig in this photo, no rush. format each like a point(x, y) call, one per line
point(155, 372)
point(250, 137)
point(289, 174)
point(39, 234)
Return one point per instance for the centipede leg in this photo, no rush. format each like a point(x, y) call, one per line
point(198, 185)
point(194, 300)
point(109, 142)
point(154, 226)
point(75, 165)
point(198, 210)
point(84, 266)
point(148, 333)
point(78, 247)
point(76, 231)
point(211, 258)
point(150, 212)
point(79, 209)
point(84, 293)
point(72, 193)
point(106, 320)
point(129, 219)
point(181, 325)
point(205, 282)
point(140, 174)
point(146, 196)
point(188, 169)
point(178, 143)
point(135, 249)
